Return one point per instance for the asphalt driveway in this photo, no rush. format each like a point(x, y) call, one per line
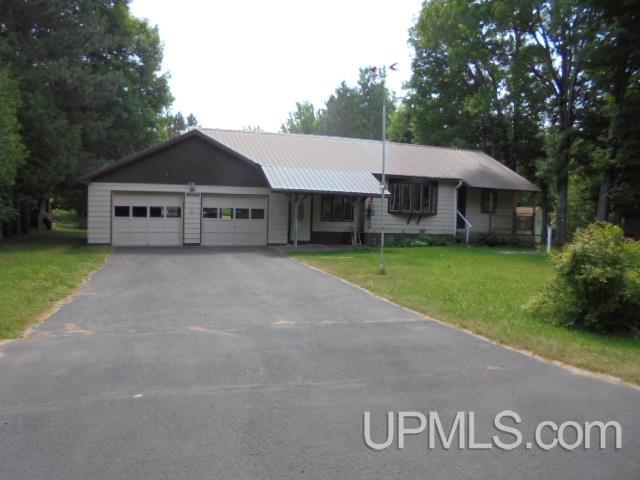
point(242, 364)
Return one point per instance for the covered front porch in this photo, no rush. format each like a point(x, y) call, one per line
point(324, 218)
point(509, 213)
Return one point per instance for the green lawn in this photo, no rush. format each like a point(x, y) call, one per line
point(483, 290)
point(39, 269)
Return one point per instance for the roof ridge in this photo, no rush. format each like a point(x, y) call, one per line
point(351, 139)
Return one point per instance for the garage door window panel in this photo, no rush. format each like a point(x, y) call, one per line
point(121, 211)
point(210, 212)
point(242, 213)
point(257, 214)
point(139, 212)
point(156, 212)
point(174, 212)
point(226, 213)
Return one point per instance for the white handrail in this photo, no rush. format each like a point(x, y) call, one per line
point(468, 226)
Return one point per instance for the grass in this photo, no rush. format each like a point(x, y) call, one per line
point(39, 269)
point(483, 290)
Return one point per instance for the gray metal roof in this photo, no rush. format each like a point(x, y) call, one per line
point(334, 164)
point(314, 180)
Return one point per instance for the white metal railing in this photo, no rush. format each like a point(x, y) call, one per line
point(467, 224)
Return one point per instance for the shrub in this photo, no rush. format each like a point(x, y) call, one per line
point(597, 283)
point(439, 240)
point(496, 240)
point(423, 240)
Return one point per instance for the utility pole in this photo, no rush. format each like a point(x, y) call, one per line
point(383, 76)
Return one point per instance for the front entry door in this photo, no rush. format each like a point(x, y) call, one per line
point(303, 213)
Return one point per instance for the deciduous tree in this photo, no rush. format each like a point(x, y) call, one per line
point(92, 88)
point(12, 150)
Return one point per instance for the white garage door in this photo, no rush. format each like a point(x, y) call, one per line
point(234, 220)
point(146, 219)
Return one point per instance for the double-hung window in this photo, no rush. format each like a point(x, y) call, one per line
point(415, 198)
point(488, 200)
point(336, 208)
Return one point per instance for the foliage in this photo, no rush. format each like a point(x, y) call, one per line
point(492, 239)
point(470, 64)
point(597, 282)
point(65, 219)
point(561, 33)
point(12, 150)
point(483, 290)
point(303, 120)
point(582, 200)
point(438, 240)
point(422, 240)
point(400, 128)
point(614, 62)
point(351, 111)
point(176, 124)
point(549, 88)
point(91, 88)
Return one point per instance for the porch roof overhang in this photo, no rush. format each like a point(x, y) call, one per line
point(293, 179)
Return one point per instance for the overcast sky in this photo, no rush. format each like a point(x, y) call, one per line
point(235, 63)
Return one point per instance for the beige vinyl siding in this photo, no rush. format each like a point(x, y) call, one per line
point(99, 204)
point(278, 218)
point(319, 226)
point(479, 220)
point(192, 216)
point(439, 224)
point(98, 214)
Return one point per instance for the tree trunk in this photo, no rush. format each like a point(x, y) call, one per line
point(23, 218)
point(562, 187)
point(44, 214)
point(42, 208)
point(27, 216)
point(563, 157)
point(546, 209)
point(562, 210)
point(604, 204)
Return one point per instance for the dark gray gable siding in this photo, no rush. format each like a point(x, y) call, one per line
point(190, 160)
